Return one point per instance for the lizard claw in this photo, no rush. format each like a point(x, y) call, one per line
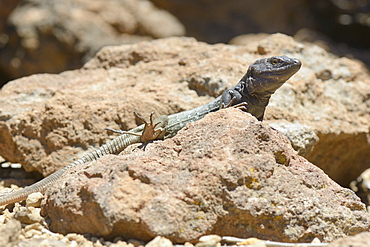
point(241, 106)
point(154, 122)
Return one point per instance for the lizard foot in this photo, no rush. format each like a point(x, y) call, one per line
point(241, 106)
point(154, 129)
point(222, 106)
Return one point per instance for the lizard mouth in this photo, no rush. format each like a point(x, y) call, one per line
point(288, 69)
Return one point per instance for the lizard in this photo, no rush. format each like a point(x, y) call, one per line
point(252, 94)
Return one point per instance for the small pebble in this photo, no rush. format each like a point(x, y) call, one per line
point(28, 215)
point(35, 226)
point(34, 200)
point(208, 244)
point(316, 241)
point(207, 238)
point(16, 165)
point(31, 233)
point(159, 242)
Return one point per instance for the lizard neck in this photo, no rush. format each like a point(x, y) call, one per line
point(252, 93)
point(256, 99)
point(178, 120)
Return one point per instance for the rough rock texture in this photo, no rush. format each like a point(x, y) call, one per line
point(9, 232)
point(13, 233)
point(227, 174)
point(302, 137)
point(46, 121)
point(56, 35)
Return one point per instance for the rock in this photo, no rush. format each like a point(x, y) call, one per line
point(359, 240)
point(43, 242)
point(207, 244)
point(302, 137)
point(323, 40)
point(28, 215)
point(227, 174)
point(47, 121)
point(34, 200)
point(214, 238)
point(9, 233)
point(68, 33)
point(209, 241)
point(36, 32)
point(159, 242)
point(246, 39)
point(247, 21)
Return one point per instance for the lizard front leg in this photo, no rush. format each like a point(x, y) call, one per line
point(233, 98)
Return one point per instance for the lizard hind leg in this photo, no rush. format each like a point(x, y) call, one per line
point(134, 133)
point(154, 129)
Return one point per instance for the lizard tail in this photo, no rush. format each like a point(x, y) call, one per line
point(40, 186)
point(116, 145)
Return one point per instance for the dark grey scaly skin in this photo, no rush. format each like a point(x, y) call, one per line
point(253, 92)
point(261, 81)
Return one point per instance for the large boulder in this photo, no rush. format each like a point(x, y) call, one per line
point(227, 174)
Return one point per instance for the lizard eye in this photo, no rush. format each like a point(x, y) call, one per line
point(274, 61)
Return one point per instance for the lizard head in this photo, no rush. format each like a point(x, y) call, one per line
point(266, 75)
